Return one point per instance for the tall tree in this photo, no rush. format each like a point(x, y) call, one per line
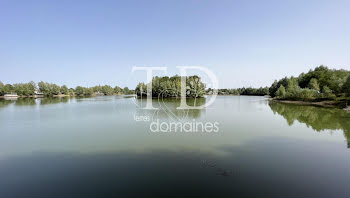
point(313, 84)
point(1, 88)
point(281, 92)
point(346, 87)
point(126, 90)
point(64, 89)
point(117, 90)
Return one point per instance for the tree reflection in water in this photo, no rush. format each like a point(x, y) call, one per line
point(317, 118)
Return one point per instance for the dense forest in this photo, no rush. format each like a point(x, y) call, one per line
point(51, 89)
point(171, 87)
point(321, 83)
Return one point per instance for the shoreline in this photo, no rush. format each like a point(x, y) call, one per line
point(61, 96)
point(325, 104)
point(54, 96)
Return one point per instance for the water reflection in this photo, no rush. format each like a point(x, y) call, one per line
point(4, 102)
point(315, 117)
point(167, 108)
point(25, 101)
point(53, 100)
point(33, 101)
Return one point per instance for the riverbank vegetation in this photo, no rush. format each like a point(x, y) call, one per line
point(262, 91)
point(319, 84)
point(51, 89)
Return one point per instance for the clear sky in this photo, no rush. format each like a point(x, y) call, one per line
point(246, 43)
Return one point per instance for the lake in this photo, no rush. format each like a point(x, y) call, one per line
point(106, 147)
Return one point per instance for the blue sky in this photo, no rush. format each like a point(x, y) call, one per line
point(245, 43)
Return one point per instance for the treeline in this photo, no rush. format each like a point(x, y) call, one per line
point(262, 91)
point(22, 89)
point(321, 83)
point(171, 87)
point(51, 89)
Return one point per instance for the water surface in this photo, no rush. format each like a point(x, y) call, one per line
point(93, 147)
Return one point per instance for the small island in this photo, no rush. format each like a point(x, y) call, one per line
point(170, 87)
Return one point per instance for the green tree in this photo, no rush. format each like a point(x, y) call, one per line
point(332, 78)
point(43, 88)
point(195, 88)
point(107, 90)
point(89, 91)
point(24, 89)
point(126, 90)
point(117, 90)
point(281, 92)
point(141, 89)
point(313, 84)
point(1, 89)
point(80, 91)
point(8, 88)
point(55, 89)
point(293, 88)
point(275, 86)
point(346, 87)
point(171, 87)
point(327, 92)
point(49, 89)
point(71, 92)
point(64, 90)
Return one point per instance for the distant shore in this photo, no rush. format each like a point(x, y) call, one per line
point(62, 95)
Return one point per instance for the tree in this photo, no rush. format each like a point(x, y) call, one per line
point(80, 91)
point(195, 88)
point(171, 87)
point(346, 87)
point(49, 89)
point(126, 90)
point(89, 91)
point(141, 89)
point(71, 92)
point(1, 89)
point(332, 78)
point(8, 88)
point(293, 88)
point(64, 90)
point(107, 90)
point(281, 92)
point(43, 87)
point(313, 84)
point(24, 89)
point(306, 94)
point(54, 89)
point(307, 86)
point(327, 92)
point(117, 90)
point(275, 86)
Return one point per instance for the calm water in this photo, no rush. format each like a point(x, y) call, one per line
point(93, 147)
